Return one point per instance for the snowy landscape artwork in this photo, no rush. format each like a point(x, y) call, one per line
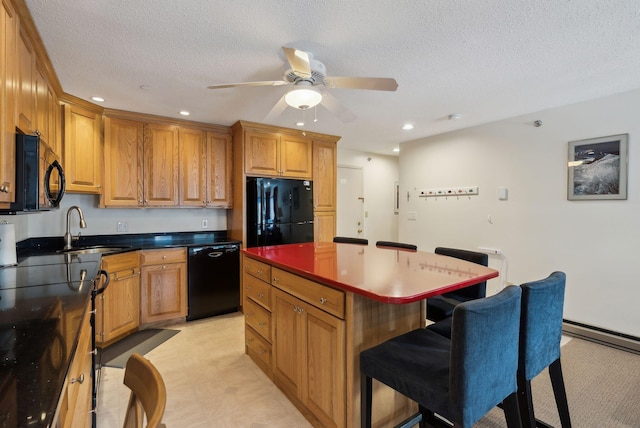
point(598, 168)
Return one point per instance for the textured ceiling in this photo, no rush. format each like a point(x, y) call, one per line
point(483, 59)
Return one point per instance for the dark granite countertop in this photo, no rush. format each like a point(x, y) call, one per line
point(40, 302)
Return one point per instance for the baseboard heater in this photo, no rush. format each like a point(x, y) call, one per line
point(606, 337)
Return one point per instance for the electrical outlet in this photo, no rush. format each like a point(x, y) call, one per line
point(490, 250)
point(205, 223)
point(122, 226)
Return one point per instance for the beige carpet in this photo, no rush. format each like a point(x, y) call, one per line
point(603, 389)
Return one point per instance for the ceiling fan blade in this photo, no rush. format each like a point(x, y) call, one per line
point(374, 83)
point(276, 110)
point(332, 104)
point(264, 83)
point(299, 61)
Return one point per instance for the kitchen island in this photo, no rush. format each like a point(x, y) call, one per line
point(310, 310)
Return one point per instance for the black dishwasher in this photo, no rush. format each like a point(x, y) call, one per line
point(214, 280)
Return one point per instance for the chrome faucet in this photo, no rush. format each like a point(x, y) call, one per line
point(68, 237)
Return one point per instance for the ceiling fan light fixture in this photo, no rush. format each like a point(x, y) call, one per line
point(303, 98)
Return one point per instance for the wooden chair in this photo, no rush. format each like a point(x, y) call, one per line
point(347, 240)
point(148, 394)
point(397, 245)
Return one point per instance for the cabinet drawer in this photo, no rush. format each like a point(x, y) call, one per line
point(157, 257)
point(257, 347)
point(258, 291)
point(258, 269)
point(258, 318)
point(326, 298)
point(121, 262)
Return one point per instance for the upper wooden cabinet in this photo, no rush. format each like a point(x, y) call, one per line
point(26, 61)
point(82, 149)
point(277, 155)
point(162, 165)
point(193, 170)
point(324, 175)
point(123, 175)
point(8, 102)
point(268, 151)
point(219, 179)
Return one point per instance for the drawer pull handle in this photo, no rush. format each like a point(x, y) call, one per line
point(262, 324)
point(79, 379)
point(323, 300)
point(250, 339)
point(275, 279)
point(248, 288)
point(258, 272)
point(260, 295)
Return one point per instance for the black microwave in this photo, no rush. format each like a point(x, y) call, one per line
point(40, 181)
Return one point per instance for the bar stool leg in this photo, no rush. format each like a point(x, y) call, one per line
point(557, 381)
point(365, 401)
point(525, 402)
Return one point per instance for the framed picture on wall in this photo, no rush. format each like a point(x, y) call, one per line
point(597, 168)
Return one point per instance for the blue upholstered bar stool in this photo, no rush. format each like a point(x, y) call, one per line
point(459, 379)
point(441, 307)
point(540, 335)
point(348, 240)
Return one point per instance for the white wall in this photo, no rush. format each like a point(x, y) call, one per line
point(537, 228)
point(379, 175)
point(103, 221)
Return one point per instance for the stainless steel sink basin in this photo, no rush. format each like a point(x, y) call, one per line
point(96, 249)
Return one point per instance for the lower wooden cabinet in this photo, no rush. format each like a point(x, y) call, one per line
point(295, 332)
point(118, 308)
point(75, 401)
point(309, 358)
point(164, 285)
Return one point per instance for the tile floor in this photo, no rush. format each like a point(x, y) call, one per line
point(210, 382)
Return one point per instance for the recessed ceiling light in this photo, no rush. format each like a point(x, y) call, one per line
point(300, 123)
point(396, 150)
point(98, 99)
point(407, 126)
point(454, 116)
point(185, 113)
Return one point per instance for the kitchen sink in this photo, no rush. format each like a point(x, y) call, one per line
point(95, 249)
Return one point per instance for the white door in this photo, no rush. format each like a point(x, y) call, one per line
point(350, 210)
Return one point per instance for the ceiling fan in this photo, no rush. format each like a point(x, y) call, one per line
point(309, 80)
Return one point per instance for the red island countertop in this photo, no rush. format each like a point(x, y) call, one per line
point(383, 274)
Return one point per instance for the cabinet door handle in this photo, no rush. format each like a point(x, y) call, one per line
point(323, 300)
point(79, 379)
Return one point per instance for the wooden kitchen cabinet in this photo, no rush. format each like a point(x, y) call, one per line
point(8, 102)
point(308, 357)
point(154, 164)
point(193, 167)
point(161, 164)
point(26, 60)
point(276, 155)
point(324, 175)
point(123, 173)
point(118, 308)
point(324, 226)
point(309, 346)
point(295, 332)
point(164, 285)
point(205, 169)
point(75, 400)
point(269, 151)
point(82, 148)
point(219, 172)
point(256, 306)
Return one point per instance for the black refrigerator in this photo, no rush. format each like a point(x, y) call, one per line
point(279, 211)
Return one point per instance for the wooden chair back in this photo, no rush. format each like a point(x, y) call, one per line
point(148, 394)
